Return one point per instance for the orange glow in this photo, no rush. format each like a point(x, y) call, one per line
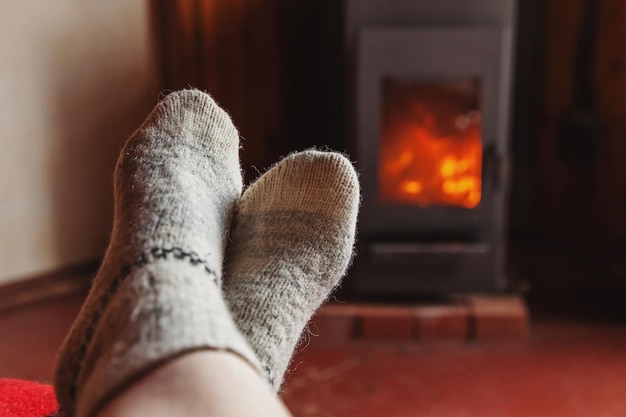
point(412, 187)
point(431, 148)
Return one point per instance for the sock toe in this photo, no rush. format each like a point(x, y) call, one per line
point(194, 116)
point(313, 181)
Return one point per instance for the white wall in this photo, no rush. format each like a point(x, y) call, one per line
point(76, 77)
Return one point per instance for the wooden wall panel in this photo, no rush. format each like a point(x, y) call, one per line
point(576, 204)
point(610, 80)
point(235, 50)
point(275, 65)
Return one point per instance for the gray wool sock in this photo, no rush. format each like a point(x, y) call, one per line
point(157, 294)
point(291, 244)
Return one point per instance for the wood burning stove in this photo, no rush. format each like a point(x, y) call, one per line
point(431, 104)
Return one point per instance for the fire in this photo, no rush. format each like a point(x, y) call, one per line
point(425, 163)
point(412, 187)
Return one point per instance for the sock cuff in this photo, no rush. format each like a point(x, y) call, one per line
point(145, 327)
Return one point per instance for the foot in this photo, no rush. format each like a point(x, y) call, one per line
point(292, 242)
point(157, 294)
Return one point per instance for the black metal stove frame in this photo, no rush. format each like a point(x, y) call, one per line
point(407, 249)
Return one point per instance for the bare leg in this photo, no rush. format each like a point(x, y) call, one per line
point(203, 383)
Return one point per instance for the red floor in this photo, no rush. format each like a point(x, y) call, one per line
point(568, 368)
point(565, 370)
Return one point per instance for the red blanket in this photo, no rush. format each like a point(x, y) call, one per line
point(26, 399)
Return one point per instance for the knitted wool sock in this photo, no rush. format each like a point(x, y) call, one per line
point(291, 244)
point(157, 294)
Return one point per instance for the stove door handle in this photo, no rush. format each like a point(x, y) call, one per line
point(495, 167)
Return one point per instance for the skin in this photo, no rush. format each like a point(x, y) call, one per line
point(203, 383)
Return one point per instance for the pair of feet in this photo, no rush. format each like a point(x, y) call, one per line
point(176, 278)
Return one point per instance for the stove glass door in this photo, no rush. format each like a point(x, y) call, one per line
point(430, 143)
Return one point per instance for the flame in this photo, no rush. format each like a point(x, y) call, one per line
point(412, 187)
point(424, 164)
